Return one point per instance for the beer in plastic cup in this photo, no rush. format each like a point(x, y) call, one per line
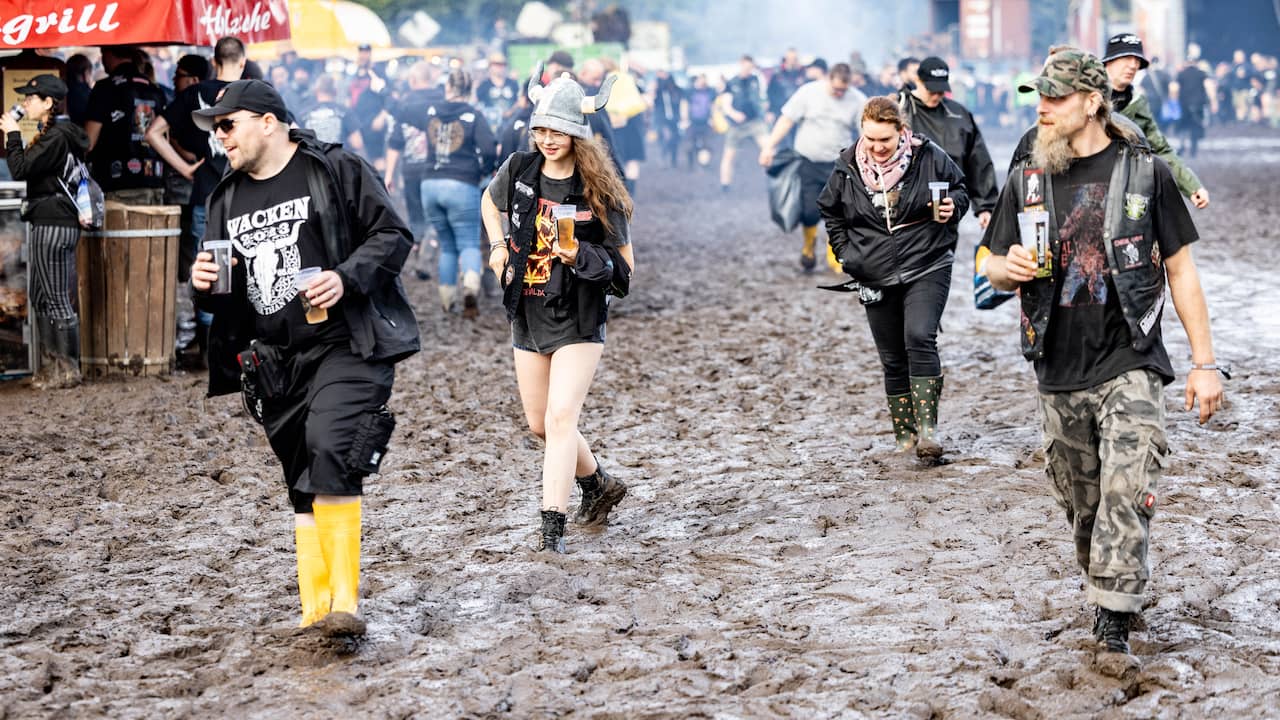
point(302, 280)
point(221, 251)
point(938, 193)
point(564, 216)
point(1033, 230)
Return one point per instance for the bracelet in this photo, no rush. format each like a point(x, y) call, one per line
point(497, 246)
point(1224, 369)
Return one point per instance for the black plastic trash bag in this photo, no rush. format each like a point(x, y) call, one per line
point(785, 202)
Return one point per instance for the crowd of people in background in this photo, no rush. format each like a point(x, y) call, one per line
point(437, 128)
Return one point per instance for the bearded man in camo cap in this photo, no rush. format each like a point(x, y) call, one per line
point(1090, 227)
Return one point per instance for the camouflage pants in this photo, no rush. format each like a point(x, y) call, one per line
point(1104, 448)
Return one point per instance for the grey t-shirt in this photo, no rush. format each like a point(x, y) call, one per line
point(825, 124)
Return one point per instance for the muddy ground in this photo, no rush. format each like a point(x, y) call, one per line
point(774, 558)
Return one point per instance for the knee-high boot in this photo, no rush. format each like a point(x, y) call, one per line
point(925, 393)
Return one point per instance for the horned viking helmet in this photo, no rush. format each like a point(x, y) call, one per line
point(563, 106)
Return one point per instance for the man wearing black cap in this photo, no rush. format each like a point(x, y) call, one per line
point(1123, 60)
point(948, 123)
point(316, 362)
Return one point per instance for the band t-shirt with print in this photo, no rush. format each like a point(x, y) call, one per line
point(271, 232)
point(1088, 341)
point(549, 323)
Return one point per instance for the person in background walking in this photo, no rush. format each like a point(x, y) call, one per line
point(460, 153)
point(741, 105)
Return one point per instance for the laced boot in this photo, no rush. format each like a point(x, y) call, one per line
point(552, 531)
point(903, 416)
point(1112, 629)
point(925, 393)
point(600, 493)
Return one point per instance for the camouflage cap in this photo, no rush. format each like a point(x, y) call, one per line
point(1069, 71)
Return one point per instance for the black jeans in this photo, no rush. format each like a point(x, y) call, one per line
point(905, 327)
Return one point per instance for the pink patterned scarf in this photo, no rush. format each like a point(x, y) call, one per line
point(881, 177)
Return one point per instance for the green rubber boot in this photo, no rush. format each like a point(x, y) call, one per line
point(925, 392)
point(904, 421)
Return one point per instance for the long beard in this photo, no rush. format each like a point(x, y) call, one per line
point(1052, 150)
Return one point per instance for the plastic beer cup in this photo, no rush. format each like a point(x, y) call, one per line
point(564, 216)
point(221, 251)
point(315, 315)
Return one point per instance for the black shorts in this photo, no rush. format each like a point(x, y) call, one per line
point(813, 178)
point(545, 336)
point(332, 394)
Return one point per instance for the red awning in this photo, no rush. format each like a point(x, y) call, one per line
point(68, 23)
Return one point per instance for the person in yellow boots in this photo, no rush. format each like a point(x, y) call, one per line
point(301, 272)
point(825, 114)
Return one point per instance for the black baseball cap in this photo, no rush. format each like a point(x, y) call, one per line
point(1125, 45)
point(50, 86)
point(934, 74)
point(253, 95)
point(818, 64)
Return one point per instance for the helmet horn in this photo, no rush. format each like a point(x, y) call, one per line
point(535, 84)
point(597, 102)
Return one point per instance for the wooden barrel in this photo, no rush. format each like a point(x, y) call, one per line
point(128, 285)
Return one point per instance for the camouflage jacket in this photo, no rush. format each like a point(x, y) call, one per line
point(1136, 107)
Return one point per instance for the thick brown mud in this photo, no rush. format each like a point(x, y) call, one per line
point(774, 558)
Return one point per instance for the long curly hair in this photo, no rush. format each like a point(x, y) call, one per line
point(601, 185)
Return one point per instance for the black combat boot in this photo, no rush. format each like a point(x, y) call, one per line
point(1112, 628)
point(552, 531)
point(600, 492)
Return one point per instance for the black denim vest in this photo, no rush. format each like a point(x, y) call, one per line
point(1132, 252)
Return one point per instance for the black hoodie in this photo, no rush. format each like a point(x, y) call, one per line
point(44, 166)
point(460, 144)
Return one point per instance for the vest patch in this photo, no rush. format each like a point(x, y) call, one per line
point(1033, 181)
point(1127, 253)
point(1135, 206)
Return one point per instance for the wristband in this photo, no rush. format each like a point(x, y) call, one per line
point(1225, 370)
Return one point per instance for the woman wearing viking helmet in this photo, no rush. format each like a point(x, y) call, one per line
point(556, 277)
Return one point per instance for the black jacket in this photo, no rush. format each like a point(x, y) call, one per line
point(44, 166)
point(366, 243)
point(953, 127)
point(464, 136)
point(871, 251)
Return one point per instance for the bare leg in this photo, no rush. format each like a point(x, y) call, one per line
point(533, 375)
point(572, 369)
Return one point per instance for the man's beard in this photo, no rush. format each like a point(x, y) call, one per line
point(1052, 150)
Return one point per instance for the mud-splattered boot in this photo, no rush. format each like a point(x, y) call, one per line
point(1112, 629)
point(552, 531)
point(903, 416)
point(925, 392)
point(600, 492)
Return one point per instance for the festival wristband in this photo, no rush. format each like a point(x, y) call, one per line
point(1224, 369)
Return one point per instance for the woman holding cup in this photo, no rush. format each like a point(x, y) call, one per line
point(569, 248)
point(891, 207)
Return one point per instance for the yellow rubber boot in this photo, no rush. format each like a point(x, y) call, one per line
point(313, 575)
point(832, 262)
point(807, 260)
point(339, 529)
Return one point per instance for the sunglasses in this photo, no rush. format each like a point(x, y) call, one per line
point(226, 125)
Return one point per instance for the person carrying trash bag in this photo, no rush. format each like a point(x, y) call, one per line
point(825, 115)
point(891, 208)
